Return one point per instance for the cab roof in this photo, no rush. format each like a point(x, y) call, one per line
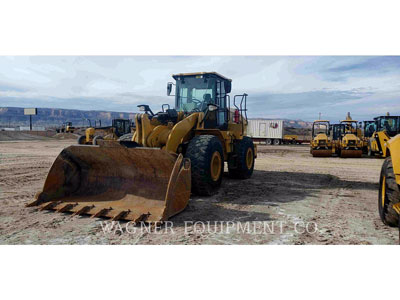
point(317, 121)
point(175, 76)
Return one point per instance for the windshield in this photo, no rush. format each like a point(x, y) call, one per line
point(391, 125)
point(349, 127)
point(193, 94)
point(369, 128)
point(320, 128)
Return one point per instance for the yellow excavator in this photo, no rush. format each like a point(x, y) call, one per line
point(321, 144)
point(349, 143)
point(172, 152)
point(385, 128)
point(120, 129)
point(389, 185)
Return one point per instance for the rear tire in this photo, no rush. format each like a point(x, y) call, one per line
point(241, 162)
point(81, 140)
point(207, 161)
point(96, 138)
point(268, 142)
point(126, 137)
point(277, 142)
point(389, 194)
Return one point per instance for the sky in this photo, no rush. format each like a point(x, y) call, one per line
point(289, 87)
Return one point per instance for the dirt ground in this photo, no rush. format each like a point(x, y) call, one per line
point(292, 198)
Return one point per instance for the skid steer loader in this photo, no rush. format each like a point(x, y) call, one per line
point(172, 152)
point(120, 129)
point(385, 128)
point(389, 183)
point(321, 145)
point(349, 143)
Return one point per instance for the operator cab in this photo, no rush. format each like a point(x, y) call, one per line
point(121, 126)
point(369, 128)
point(389, 123)
point(203, 92)
point(320, 126)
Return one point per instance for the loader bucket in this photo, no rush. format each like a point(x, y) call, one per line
point(350, 153)
point(135, 184)
point(322, 153)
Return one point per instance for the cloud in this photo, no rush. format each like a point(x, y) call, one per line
point(296, 87)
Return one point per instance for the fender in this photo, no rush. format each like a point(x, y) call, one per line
point(179, 131)
point(394, 147)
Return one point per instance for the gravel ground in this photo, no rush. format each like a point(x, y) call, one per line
point(292, 198)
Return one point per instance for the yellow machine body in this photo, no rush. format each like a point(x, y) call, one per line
point(394, 146)
point(378, 144)
point(350, 145)
point(321, 144)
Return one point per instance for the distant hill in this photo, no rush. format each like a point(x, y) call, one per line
point(52, 117)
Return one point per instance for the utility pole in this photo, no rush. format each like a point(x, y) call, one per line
point(319, 116)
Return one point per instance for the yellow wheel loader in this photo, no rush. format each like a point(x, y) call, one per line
point(321, 145)
point(172, 152)
point(120, 129)
point(389, 183)
point(349, 143)
point(385, 128)
point(66, 128)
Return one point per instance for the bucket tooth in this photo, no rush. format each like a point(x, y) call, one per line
point(120, 215)
point(101, 212)
point(49, 205)
point(83, 210)
point(67, 207)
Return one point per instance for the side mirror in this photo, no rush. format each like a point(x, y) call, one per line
point(228, 86)
point(169, 88)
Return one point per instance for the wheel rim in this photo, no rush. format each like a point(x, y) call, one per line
point(215, 166)
point(383, 190)
point(249, 158)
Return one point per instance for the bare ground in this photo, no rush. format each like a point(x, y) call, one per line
point(336, 198)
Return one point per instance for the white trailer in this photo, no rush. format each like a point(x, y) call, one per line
point(270, 131)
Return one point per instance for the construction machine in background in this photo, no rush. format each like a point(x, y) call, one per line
point(172, 152)
point(321, 144)
point(66, 128)
point(389, 185)
point(368, 129)
point(120, 129)
point(385, 128)
point(349, 143)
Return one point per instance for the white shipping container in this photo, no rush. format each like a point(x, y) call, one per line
point(268, 129)
point(34, 128)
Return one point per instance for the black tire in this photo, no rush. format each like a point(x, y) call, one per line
point(277, 142)
point(268, 142)
point(126, 137)
point(392, 194)
point(96, 138)
point(369, 152)
point(81, 140)
point(200, 151)
point(237, 163)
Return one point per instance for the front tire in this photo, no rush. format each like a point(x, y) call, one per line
point(81, 140)
point(126, 137)
point(389, 194)
point(207, 162)
point(96, 139)
point(241, 163)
